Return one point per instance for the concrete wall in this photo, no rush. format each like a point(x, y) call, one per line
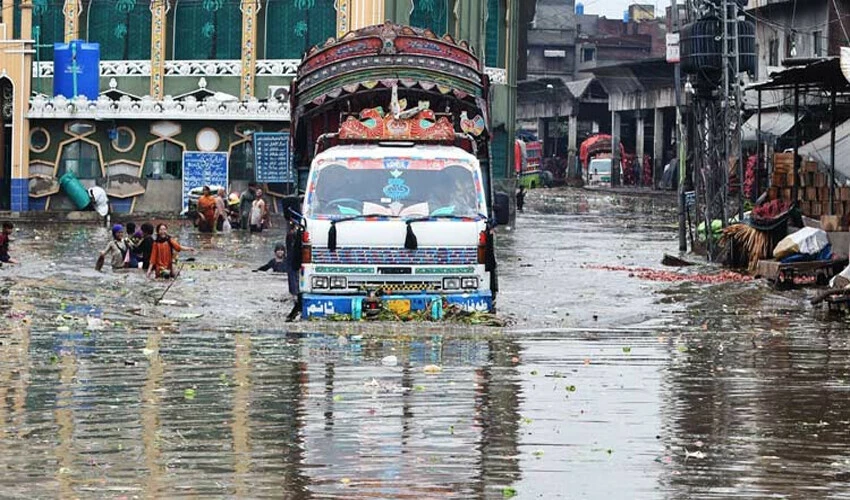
point(161, 196)
point(807, 18)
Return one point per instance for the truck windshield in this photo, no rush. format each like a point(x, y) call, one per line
point(600, 166)
point(338, 190)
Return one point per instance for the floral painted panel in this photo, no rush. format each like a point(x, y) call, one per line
point(207, 29)
point(121, 27)
point(48, 23)
point(431, 14)
point(291, 27)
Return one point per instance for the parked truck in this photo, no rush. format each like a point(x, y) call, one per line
point(392, 122)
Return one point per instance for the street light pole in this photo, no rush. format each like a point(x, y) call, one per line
point(677, 82)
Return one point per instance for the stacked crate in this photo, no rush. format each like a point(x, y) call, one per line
point(813, 191)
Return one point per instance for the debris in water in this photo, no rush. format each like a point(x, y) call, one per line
point(432, 369)
point(189, 393)
point(508, 492)
point(389, 361)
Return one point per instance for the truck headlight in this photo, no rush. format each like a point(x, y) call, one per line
point(338, 282)
point(319, 282)
point(469, 283)
point(451, 283)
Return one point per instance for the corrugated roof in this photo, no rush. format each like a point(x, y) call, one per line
point(579, 87)
point(825, 74)
point(772, 123)
point(819, 149)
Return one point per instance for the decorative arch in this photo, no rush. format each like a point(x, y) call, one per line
point(152, 171)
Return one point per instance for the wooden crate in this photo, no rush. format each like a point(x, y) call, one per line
point(806, 207)
point(820, 180)
point(783, 162)
point(823, 194)
point(779, 180)
point(789, 181)
point(830, 223)
point(810, 194)
point(773, 193)
point(844, 193)
point(809, 167)
point(786, 193)
point(816, 210)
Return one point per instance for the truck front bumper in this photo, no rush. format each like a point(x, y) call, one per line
point(319, 306)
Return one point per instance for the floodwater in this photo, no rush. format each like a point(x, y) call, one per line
point(604, 386)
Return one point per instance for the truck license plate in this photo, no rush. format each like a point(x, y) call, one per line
point(399, 306)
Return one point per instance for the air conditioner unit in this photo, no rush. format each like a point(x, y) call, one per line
point(278, 93)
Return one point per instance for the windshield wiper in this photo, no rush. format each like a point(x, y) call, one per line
point(410, 240)
point(334, 222)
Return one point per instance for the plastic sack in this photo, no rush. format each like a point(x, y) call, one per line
point(806, 241)
point(226, 227)
point(841, 280)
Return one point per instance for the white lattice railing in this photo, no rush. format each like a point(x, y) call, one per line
point(189, 108)
point(497, 75)
point(229, 67)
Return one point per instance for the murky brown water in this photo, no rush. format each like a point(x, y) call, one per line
point(673, 391)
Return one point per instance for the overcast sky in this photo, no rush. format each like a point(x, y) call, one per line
point(613, 9)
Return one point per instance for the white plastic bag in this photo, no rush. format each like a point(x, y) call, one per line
point(806, 241)
point(225, 227)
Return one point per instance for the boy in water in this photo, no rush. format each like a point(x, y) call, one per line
point(278, 264)
point(8, 227)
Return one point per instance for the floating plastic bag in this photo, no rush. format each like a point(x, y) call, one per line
point(226, 227)
point(806, 241)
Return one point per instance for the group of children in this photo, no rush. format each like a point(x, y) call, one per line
point(146, 249)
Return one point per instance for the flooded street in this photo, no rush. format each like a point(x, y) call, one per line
point(605, 385)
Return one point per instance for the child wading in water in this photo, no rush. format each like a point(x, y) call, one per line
point(162, 253)
point(120, 248)
point(4, 244)
point(279, 263)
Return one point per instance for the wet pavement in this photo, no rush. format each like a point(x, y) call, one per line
point(605, 385)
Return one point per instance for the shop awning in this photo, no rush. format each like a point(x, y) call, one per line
point(818, 150)
point(773, 124)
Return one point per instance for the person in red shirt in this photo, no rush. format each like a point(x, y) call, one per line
point(4, 243)
point(206, 211)
point(162, 253)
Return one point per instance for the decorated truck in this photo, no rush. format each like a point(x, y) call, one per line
point(397, 210)
point(528, 157)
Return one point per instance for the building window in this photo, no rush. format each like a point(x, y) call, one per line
point(773, 52)
point(124, 139)
point(122, 28)
point(292, 28)
point(242, 161)
point(207, 30)
point(817, 43)
point(80, 158)
point(588, 54)
point(432, 15)
point(163, 160)
point(39, 140)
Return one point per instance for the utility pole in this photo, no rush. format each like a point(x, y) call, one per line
point(680, 145)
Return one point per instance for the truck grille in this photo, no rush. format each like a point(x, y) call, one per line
point(396, 287)
point(421, 256)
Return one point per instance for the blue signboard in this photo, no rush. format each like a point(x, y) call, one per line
point(272, 157)
point(203, 169)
